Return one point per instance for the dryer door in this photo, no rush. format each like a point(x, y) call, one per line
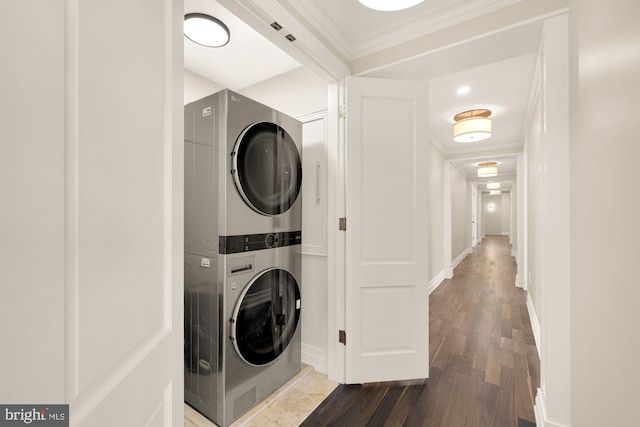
point(266, 168)
point(266, 316)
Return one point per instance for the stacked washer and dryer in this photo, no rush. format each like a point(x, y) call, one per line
point(243, 175)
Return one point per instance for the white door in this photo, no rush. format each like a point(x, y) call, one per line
point(474, 215)
point(125, 209)
point(97, 286)
point(387, 301)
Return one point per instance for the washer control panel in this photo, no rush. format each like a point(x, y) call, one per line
point(256, 242)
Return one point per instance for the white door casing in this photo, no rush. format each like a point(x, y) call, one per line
point(387, 305)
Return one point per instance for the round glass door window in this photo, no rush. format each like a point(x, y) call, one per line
point(266, 316)
point(266, 168)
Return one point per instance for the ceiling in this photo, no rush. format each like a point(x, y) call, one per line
point(498, 68)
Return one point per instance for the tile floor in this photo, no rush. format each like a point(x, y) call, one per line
point(287, 407)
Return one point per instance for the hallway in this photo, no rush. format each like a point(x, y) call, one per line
point(484, 364)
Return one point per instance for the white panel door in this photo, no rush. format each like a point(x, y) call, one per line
point(124, 212)
point(387, 301)
point(474, 215)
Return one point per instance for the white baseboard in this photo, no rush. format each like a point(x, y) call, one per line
point(315, 357)
point(436, 281)
point(535, 324)
point(520, 282)
point(514, 253)
point(448, 273)
point(506, 233)
point(460, 257)
point(540, 411)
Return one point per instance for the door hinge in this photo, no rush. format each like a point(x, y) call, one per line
point(342, 337)
point(342, 224)
point(342, 111)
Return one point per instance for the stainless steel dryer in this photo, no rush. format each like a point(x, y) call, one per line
point(261, 168)
point(242, 254)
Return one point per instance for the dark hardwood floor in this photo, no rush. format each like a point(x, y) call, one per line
point(484, 364)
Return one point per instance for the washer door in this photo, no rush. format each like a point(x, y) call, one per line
point(266, 168)
point(266, 316)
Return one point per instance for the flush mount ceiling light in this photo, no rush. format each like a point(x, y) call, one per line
point(472, 125)
point(389, 5)
point(206, 30)
point(493, 185)
point(487, 169)
point(463, 90)
point(494, 192)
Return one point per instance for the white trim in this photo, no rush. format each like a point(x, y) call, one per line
point(448, 273)
point(535, 325)
point(447, 236)
point(506, 233)
point(315, 357)
point(514, 253)
point(540, 411)
point(437, 144)
point(315, 253)
point(436, 281)
point(335, 238)
point(320, 248)
point(437, 20)
point(307, 48)
point(460, 257)
point(520, 283)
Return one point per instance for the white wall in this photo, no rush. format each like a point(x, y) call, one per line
point(460, 214)
point(605, 207)
point(548, 224)
point(492, 214)
point(32, 217)
point(197, 87)
point(296, 93)
point(437, 266)
point(505, 226)
point(534, 237)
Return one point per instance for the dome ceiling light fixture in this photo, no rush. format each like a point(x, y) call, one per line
point(494, 192)
point(472, 125)
point(389, 5)
point(487, 169)
point(493, 185)
point(206, 30)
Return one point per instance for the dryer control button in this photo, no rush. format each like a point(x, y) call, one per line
point(271, 240)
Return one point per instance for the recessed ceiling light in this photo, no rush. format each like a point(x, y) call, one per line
point(463, 89)
point(389, 5)
point(206, 30)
